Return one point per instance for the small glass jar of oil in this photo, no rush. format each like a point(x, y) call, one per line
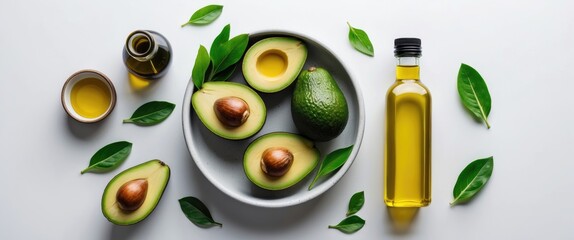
point(147, 54)
point(88, 96)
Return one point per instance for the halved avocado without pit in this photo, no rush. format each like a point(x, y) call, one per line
point(272, 64)
point(279, 160)
point(133, 194)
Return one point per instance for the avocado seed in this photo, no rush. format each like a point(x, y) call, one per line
point(276, 161)
point(131, 195)
point(231, 111)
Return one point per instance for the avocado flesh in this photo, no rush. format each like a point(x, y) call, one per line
point(272, 64)
point(305, 159)
point(155, 172)
point(318, 107)
point(203, 99)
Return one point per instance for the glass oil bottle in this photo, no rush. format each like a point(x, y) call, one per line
point(147, 54)
point(407, 173)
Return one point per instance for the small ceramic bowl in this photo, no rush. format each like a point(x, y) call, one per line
point(97, 80)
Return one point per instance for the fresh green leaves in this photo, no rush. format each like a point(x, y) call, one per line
point(474, 92)
point(197, 212)
point(353, 222)
point(332, 162)
point(356, 203)
point(112, 155)
point(220, 39)
point(229, 53)
point(360, 41)
point(472, 179)
point(205, 15)
point(350, 224)
point(220, 63)
point(109, 157)
point(476, 98)
point(151, 113)
point(200, 67)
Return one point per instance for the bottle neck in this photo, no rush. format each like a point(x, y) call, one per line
point(408, 68)
point(141, 46)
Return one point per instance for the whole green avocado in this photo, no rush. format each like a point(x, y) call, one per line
point(318, 107)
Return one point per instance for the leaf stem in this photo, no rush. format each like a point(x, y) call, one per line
point(453, 202)
point(314, 181)
point(211, 75)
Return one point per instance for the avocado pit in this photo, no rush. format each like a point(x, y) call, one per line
point(276, 161)
point(131, 195)
point(231, 111)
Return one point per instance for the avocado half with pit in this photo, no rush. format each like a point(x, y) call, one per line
point(272, 64)
point(279, 160)
point(229, 110)
point(133, 194)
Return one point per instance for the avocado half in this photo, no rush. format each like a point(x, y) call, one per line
point(272, 64)
point(305, 159)
point(203, 101)
point(157, 175)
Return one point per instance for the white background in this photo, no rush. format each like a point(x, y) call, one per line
point(522, 48)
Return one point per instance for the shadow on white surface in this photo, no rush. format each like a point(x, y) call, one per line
point(139, 86)
point(402, 219)
point(128, 232)
point(83, 131)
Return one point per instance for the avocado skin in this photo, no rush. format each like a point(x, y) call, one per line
point(318, 107)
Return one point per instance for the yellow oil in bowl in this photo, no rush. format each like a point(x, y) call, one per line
point(90, 98)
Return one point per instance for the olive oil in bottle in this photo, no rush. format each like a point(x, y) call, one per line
point(407, 173)
point(147, 54)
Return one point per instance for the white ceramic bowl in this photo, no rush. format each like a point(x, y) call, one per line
point(221, 160)
point(78, 77)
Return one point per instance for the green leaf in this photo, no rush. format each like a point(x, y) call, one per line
point(332, 162)
point(472, 179)
point(360, 41)
point(205, 15)
point(222, 59)
point(225, 74)
point(350, 224)
point(151, 113)
point(197, 212)
point(222, 38)
point(474, 92)
point(200, 67)
point(109, 157)
point(356, 203)
point(229, 53)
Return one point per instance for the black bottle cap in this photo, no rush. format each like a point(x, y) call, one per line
point(408, 47)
